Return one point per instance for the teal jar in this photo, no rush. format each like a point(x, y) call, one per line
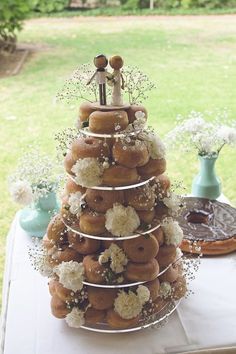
point(35, 218)
point(206, 184)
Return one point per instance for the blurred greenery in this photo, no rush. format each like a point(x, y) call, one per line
point(192, 61)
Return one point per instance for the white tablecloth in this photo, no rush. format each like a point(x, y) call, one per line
point(206, 319)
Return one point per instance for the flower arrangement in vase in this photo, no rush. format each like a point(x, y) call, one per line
point(33, 185)
point(208, 138)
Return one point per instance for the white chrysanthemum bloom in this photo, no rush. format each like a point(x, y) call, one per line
point(172, 231)
point(143, 294)
point(227, 135)
point(127, 305)
point(121, 220)
point(165, 289)
point(21, 192)
point(88, 172)
point(71, 275)
point(117, 257)
point(155, 146)
point(75, 203)
point(75, 318)
point(172, 202)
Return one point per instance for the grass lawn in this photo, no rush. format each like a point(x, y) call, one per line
point(192, 59)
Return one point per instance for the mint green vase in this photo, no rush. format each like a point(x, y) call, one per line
point(206, 184)
point(35, 218)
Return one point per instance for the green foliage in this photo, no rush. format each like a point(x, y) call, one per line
point(48, 6)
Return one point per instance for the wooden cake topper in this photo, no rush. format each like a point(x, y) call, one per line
point(117, 80)
point(100, 61)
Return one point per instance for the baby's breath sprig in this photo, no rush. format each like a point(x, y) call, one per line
point(64, 139)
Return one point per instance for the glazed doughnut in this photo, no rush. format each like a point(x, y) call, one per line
point(159, 235)
point(154, 167)
point(72, 187)
point(133, 109)
point(69, 163)
point(58, 307)
point(141, 249)
point(52, 286)
point(153, 286)
point(109, 122)
point(66, 295)
point(107, 243)
point(146, 216)
point(66, 214)
point(141, 198)
point(101, 201)
point(170, 275)
point(83, 245)
point(120, 176)
point(115, 321)
point(142, 271)
point(94, 271)
point(161, 211)
point(94, 316)
point(163, 185)
point(92, 223)
point(100, 298)
point(89, 147)
point(85, 109)
point(130, 154)
point(65, 254)
point(179, 288)
point(56, 230)
point(48, 244)
point(159, 304)
point(166, 255)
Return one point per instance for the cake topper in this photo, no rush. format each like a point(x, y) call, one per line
point(100, 61)
point(116, 79)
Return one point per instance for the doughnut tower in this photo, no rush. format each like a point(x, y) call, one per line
point(113, 249)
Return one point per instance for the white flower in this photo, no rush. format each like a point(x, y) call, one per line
point(127, 305)
point(121, 221)
point(172, 202)
point(195, 124)
point(71, 275)
point(75, 318)
point(172, 231)
point(88, 172)
point(75, 202)
point(179, 253)
point(143, 294)
point(140, 120)
point(21, 192)
point(117, 257)
point(165, 289)
point(155, 145)
point(227, 134)
point(139, 114)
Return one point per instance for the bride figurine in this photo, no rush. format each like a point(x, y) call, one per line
point(117, 80)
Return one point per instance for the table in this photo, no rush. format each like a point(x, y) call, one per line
point(206, 319)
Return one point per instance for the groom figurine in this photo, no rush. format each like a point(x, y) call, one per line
point(100, 61)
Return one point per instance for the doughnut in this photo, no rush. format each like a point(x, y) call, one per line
point(146, 216)
point(66, 214)
point(92, 223)
point(130, 154)
point(69, 163)
point(133, 109)
point(64, 294)
point(72, 187)
point(141, 198)
point(56, 230)
point(107, 243)
point(154, 167)
point(58, 307)
point(161, 211)
point(109, 122)
point(101, 201)
point(85, 109)
point(153, 286)
point(159, 304)
point(170, 275)
point(52, 286)
point(163, 185)
point(179, 288)
point(89, 147)
point(100, 298)
point(94, 271)
point(141, 249)
point(83, 245)
point(119, 176)
point(166, 255)
point(115, 321)
point(94, 316)
point(65, 254)
point(159, 235)
point(48, 244)
point(142, 271)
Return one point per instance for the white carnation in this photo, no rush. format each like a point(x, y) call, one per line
point(227, 135)
point(155, 146)
point(88, 172)
point(143, 294)
point(71, 275)
point(75, 203)
point(21, 192)
point(127, 305)
point(122, 221)
point(172, 202)
point(117, 257)
point(165, 289)
point(172, 231)
point(75, 318)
